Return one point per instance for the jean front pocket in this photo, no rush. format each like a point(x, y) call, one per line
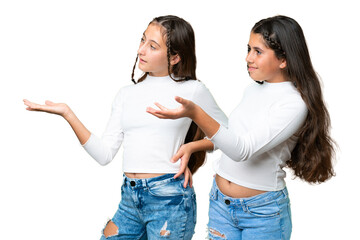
point(169, 195)
point(266, 209)
point(170, 189)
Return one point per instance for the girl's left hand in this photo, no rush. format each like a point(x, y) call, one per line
point(184, 153)
point(188, 178)
point(55, 108)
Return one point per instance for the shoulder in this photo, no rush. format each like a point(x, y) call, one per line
point(292, 96)
point(192, 87)
point(191, 82)
point(291, 101)
point(252, 88)
point(129, 88)
point(123, 91)
point(200, 91)
point(197, 85)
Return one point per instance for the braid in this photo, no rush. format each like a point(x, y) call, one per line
point(168, 46)
point(273, 43)
point(132, 74)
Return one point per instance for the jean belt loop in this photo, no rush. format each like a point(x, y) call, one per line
point(216, 194)
point(284, 192)
point(144, 183)
point(243, 205)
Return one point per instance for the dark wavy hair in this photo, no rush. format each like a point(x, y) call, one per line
point(312, 157)
point(180, 39)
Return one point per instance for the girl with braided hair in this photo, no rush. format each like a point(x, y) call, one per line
point(281, 121)
point(156, 201)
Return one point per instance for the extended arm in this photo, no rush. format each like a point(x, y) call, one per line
point(282, 122)
point(101, 149)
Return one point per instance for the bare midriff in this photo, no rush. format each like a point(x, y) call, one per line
point(143, 175)
point(234, 190)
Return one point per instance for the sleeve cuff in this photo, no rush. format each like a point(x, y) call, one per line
point(211, 139)
point(87, 142)
point(213, 136)
point(214, 148)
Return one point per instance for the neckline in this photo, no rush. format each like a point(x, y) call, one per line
point(265, 82)
point(148, 77)
point(278, 84)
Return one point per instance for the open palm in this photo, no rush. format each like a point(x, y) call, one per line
point(185, 110)
point(55, 108)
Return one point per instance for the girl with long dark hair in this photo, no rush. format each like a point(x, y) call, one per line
point(281, 121)
point(155, 200)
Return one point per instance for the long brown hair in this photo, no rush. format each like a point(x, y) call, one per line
point(312, 156)
point(180, 39)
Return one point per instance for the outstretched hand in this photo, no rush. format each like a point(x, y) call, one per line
point(63, 110)
point(186, 109)
point(55, 108)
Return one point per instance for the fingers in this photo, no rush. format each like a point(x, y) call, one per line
point(191, 179)
point(176, 157)
point(27, 102)
point(152, 110)
point(165, 113)
point(156, 113)
point(162, 108)
point(182, 168)
point(32, 106)
point(49, 103)
point(49, 107)
point(182, 101)
point(161, 116)
point(188, 178)
point(181, 171)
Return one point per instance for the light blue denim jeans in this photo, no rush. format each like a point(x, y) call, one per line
point(265, 216)
point(155, 208)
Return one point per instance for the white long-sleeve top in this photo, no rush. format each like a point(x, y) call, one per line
point(260, 136)
point(149, 142)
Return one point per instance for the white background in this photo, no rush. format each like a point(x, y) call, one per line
point(82, 52)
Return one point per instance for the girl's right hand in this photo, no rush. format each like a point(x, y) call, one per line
point(187, 109)
point(55, 108)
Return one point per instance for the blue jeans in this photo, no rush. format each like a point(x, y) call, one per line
point(155, 208)
point(265, 216)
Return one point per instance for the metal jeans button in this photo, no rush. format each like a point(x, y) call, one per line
point(227, 202)
point(132, 183)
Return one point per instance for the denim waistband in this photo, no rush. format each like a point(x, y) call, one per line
point(250, 201)
point(150, 182)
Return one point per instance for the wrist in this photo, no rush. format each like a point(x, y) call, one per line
point(191, 146)
point(68, 114)
point(195, 113)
